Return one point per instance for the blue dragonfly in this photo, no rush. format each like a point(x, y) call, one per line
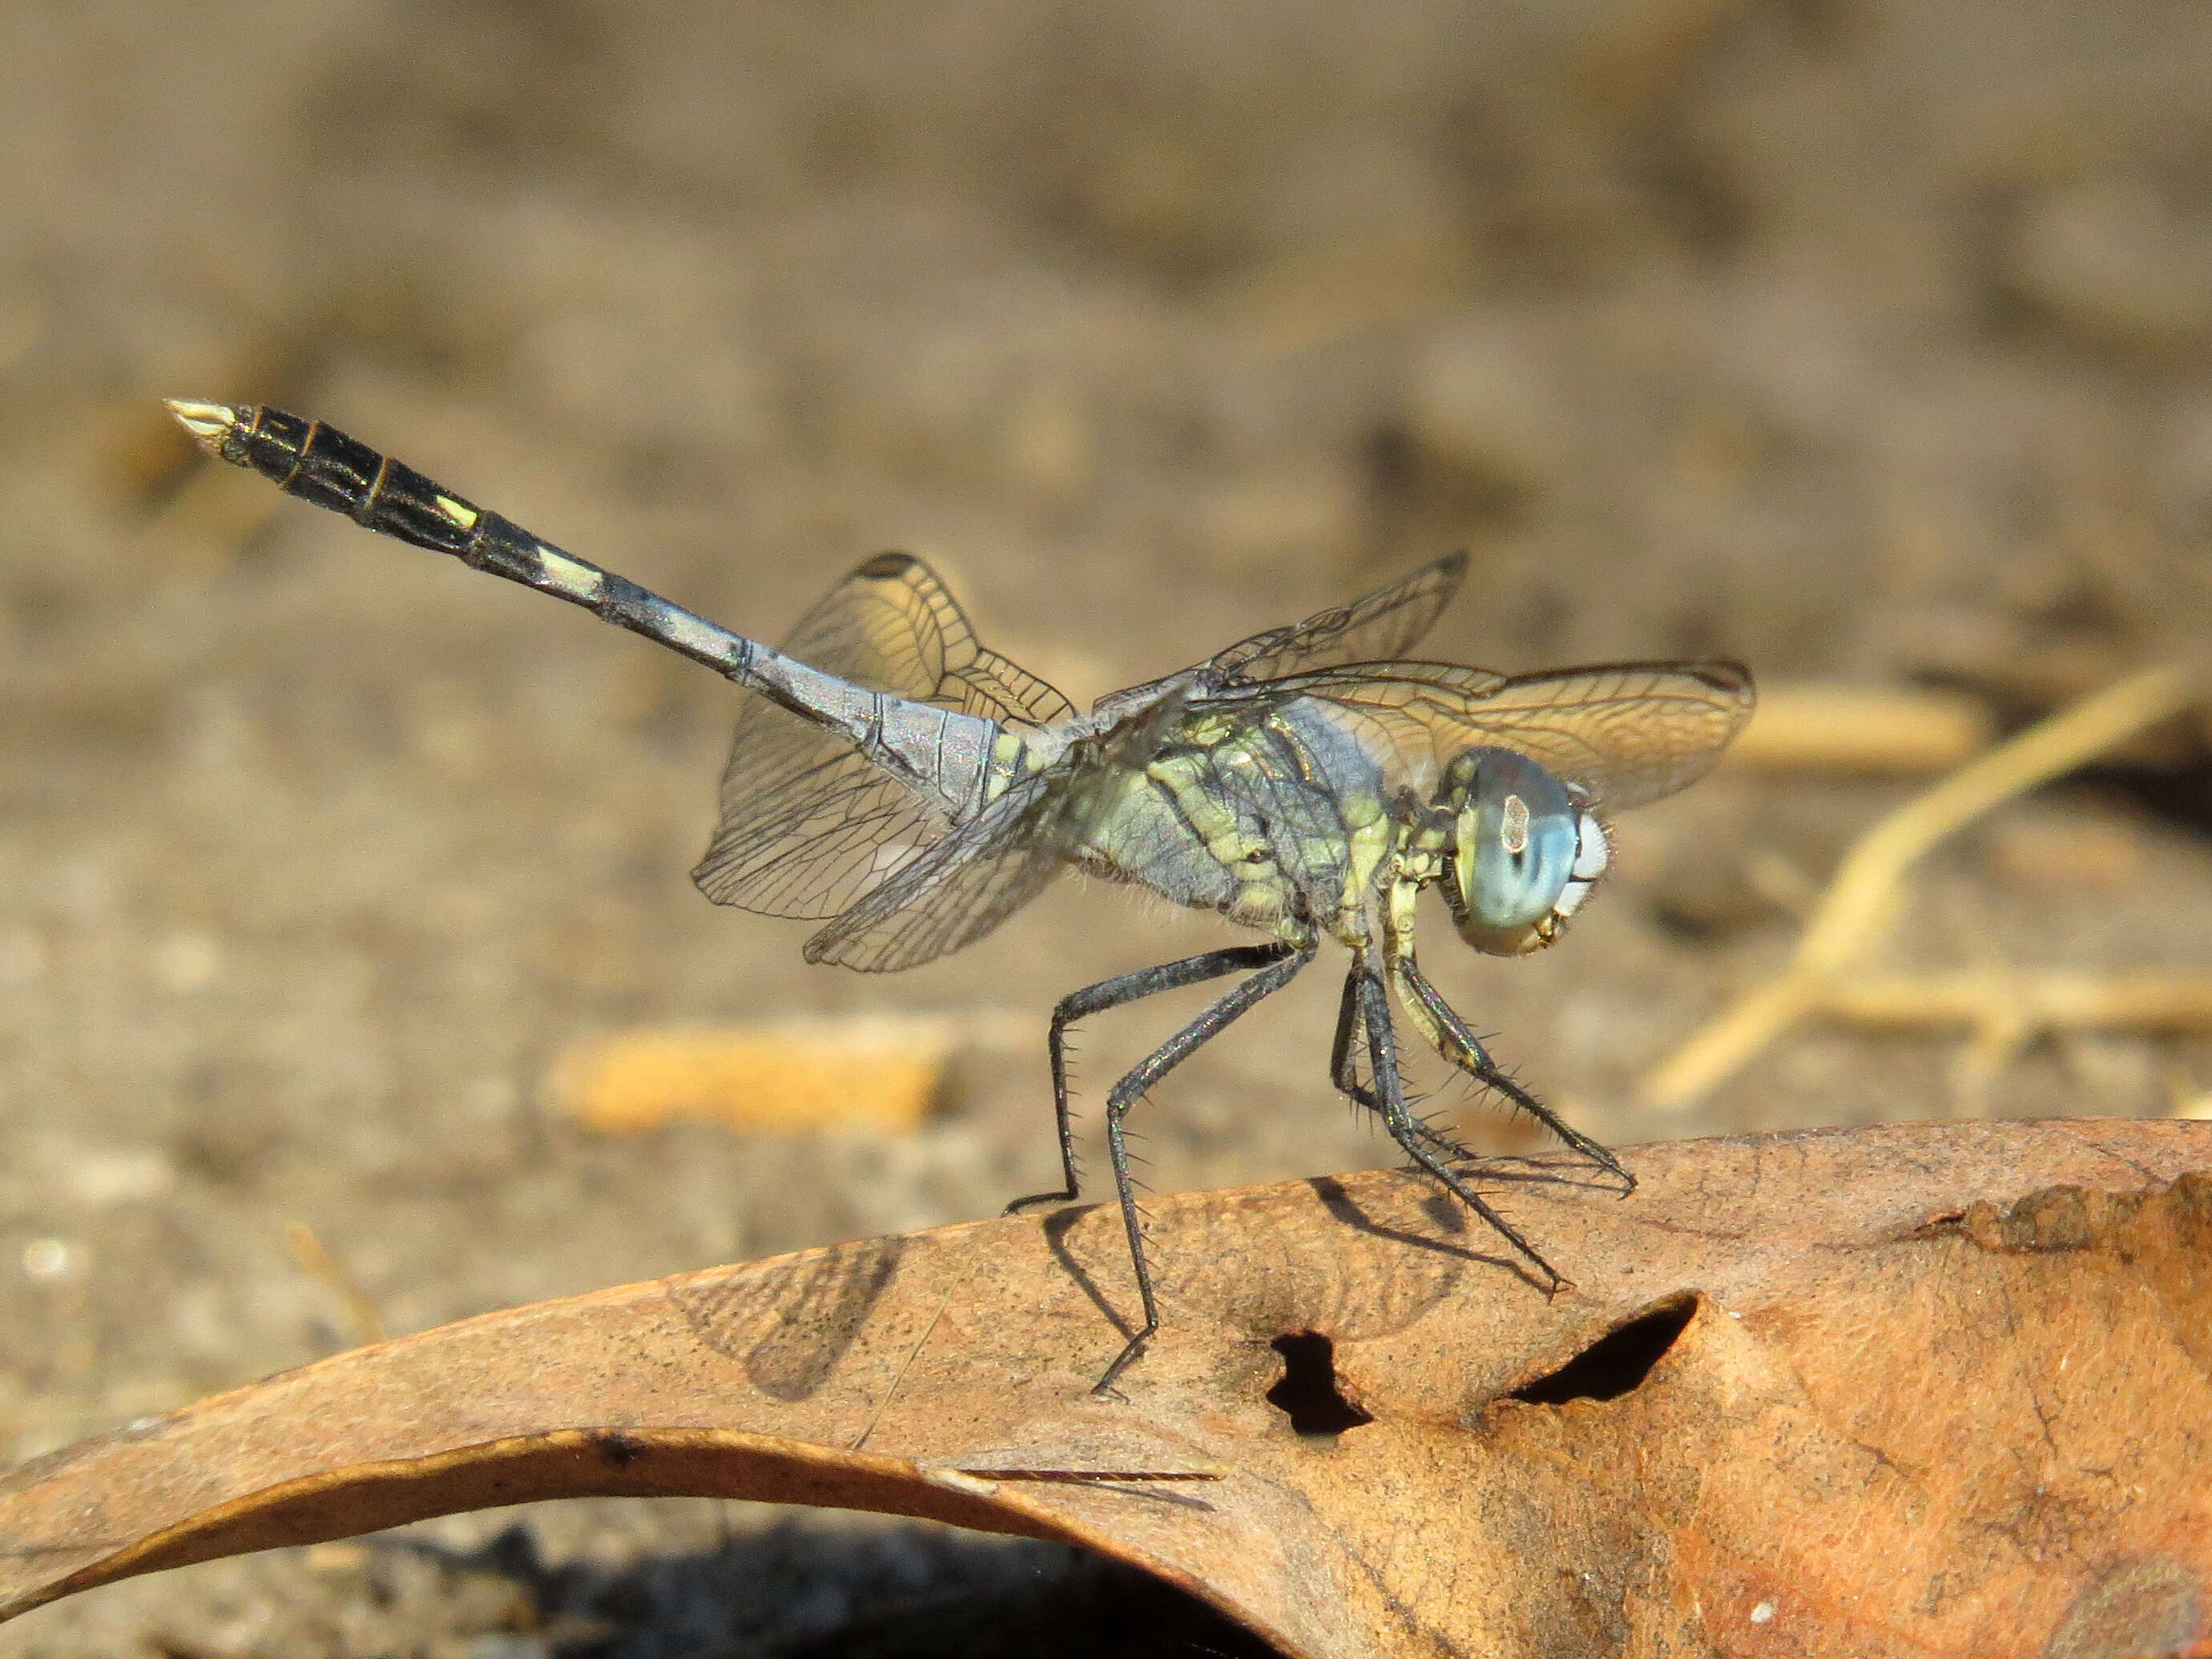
point(896, 780)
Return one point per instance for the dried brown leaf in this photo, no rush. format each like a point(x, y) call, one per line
point(1912, 1389)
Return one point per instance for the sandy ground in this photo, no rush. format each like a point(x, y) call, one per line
point(1861, 340)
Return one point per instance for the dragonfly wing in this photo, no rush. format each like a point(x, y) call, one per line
point(893, 626)
point(807, 826)
point(1624, 733)
point(953, 891)
point(962, 886)
point(1385, 624)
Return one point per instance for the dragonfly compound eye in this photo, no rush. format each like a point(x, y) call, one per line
point(1515, 845)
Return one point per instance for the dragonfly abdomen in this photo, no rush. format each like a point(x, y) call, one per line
point(321, 464)
point(940, 754)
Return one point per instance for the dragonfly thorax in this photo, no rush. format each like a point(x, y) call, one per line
point(1524, 851)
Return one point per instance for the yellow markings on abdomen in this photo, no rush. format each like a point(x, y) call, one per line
point(460, 512)
point(1011, 758)
point(569, 576)
point(695, 633)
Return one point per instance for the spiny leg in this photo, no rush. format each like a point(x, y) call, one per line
point(1464, 1049)
point(1374, 1009)
point(1131, 1089)
point(1112, 994)
point(1344, 1071)
point(1461, 1046)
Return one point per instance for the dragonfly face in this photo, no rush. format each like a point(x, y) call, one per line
point(1525, 852)
point(896, 780)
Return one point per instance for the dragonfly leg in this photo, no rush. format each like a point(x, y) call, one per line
point(1112, 994)
point(1343, 1067)
point(1344, 1071)
point(1464, 1049)
point(1374, 1003)
point(1278, 966)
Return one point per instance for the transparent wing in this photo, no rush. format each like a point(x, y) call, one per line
point(1385, 624)
point(966, 884)
point(807, 826)
point(955, 890)
point(1625, 733)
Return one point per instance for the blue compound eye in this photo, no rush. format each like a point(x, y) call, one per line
point(1515, 843)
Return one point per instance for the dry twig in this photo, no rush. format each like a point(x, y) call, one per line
point(1864, 900)
point(1857, 728)
point(364, 1323)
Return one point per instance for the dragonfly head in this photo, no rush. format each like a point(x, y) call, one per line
point(1525, 852)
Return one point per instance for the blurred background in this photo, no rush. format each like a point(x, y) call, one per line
point(1868, 340)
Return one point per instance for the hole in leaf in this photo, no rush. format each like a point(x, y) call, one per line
point(1308, 1393)
point(1617, 1362)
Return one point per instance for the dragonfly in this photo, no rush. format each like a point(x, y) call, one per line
point(909, 789)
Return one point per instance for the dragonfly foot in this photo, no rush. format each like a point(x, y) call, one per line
point(1103, 1388)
